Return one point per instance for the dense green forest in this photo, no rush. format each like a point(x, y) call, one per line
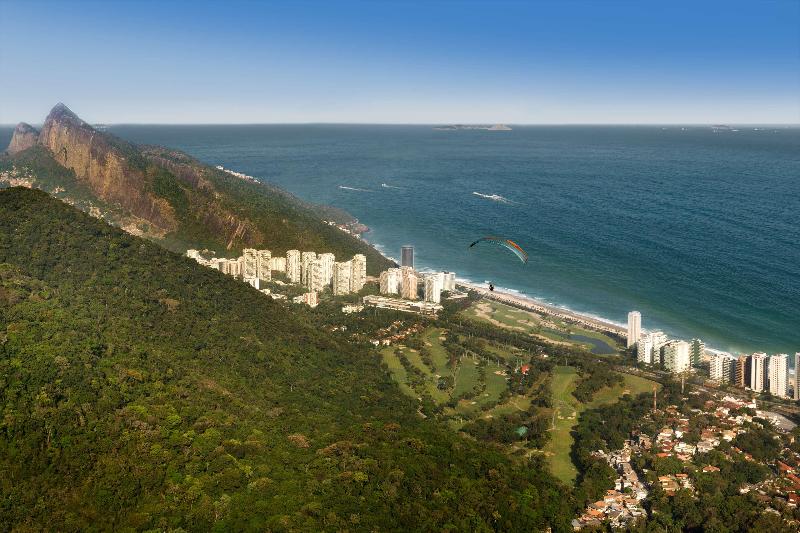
point(143, 391)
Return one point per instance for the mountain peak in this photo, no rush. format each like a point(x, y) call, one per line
point(61, 113)
point(23, 138)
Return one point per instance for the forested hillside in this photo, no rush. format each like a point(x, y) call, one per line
point(141, 390)
point(170, 197)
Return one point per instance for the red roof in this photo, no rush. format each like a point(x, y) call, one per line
point(525, 369)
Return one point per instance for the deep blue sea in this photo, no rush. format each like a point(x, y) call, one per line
point(698, 230)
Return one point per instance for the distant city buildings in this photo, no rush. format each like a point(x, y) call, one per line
point(634, 327)
point(422, 308)
point(797, 376)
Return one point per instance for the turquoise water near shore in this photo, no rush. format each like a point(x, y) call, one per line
point(698, 230)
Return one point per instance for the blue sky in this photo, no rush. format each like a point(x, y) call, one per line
point(543, 62)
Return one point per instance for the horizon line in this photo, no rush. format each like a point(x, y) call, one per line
point(434, 124)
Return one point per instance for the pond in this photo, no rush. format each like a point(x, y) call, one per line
point(599, 347)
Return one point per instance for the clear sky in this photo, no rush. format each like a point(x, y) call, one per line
point(550, 62)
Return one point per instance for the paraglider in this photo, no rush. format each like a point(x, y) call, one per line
point(507, 244)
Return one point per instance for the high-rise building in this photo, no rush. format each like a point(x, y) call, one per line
point(250, 259)
point(779, 375)
point(327, 267)
point(648, 349)
point(408, 283)
point(320, 273)
point(697, 352)
point(722, 368)
point(277, 264)
point(341, 277)
point(758, 371)
point(797, 376)
point(433, 289)
point(407, 256)
point(449, 281)
point(358, 274)
point(676, 357)
point(634, 327)
point(264, 270)
point(306, 258)
point(293, 266)
point(742, 371)
point(390, 281)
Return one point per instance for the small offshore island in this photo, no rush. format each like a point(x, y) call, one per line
point(454, 127)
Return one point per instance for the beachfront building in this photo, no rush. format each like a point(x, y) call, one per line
point(449, 283)
point(390, 281)
point(634, 327)
point(797, 376)
point(408, 283)
point(698, 352)
point(758, 367)
point(358, 273)
point(306, 258)
point(407, 256)
point(722, 368)
point(341, 277)
point(648, 349)
point(676, 357)
point(742, 371)
point(779, 375)
point(433, 288)
point(293, 267)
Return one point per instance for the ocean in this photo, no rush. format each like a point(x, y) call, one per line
point(699, 230)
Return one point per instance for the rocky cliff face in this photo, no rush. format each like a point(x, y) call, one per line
point(112, 168)
point(23, 138)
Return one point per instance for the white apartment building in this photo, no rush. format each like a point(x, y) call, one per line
point(758, 364)
point(676, 357)
point(408, 283)
point(698, 352)
point(648, 349)
point(264, 269)
point(358, 273)
point(250, 263)
point(449, 283)
point(797, 376)
point(306, 258)
point(722, 368)
point(293, 266)
point(277, 264)
point(308, 298)
point(341, 277)
point(779, 375)
point(433, 288)
point(634, 327)
point(390, 281)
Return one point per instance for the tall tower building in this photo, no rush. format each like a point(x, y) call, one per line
point(358, 274)
point(408, 283)
point(758, 368)
point(407, 256)
point(341, 277)
point(722, 368)
point(648, 349)
point(779, 375)
point(293, 266)
point(742, 371)
point(264, 265)
point(449, 281)
point(433, 289)
point(390, 281)
point(634, 327)
point(676, 357)
point(698, 352)
point(250, 263)
point(797, 376)
point(306, 258)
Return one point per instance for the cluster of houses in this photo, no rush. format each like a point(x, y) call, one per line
point(395, 332)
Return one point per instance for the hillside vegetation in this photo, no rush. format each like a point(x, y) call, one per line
point(143, 391)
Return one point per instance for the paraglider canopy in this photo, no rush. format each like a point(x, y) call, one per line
point(508, 244)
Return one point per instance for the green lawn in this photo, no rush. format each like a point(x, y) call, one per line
point(568, 409)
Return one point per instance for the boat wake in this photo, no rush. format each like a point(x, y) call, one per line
point(387, 186)
point(345, 187)
point(494, 197)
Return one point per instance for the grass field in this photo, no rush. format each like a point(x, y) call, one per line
point(549, 328)
point(568, 409)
